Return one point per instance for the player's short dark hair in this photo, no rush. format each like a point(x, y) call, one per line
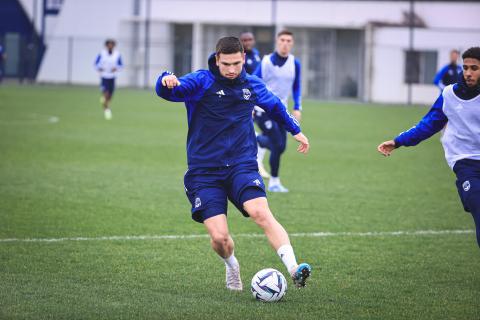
point(229, 45)
point(455, 51)
point(285, 33)
point(108, 41)
point(473, 52)
point(244, 33)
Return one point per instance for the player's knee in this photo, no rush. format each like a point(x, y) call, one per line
point(473, 202)
point(280, 148)
point(262, 216)
point(220, 238)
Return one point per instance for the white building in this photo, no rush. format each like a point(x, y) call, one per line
point(348, 49)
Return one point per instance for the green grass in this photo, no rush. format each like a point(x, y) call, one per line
point(86, 177)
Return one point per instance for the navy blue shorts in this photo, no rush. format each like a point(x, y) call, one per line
point(468, 182)
point(107, 85)
point(209, 189)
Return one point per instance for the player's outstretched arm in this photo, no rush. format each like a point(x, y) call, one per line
point(434, 121)
point(386, 148)
point(170, 88)
point(170, 81)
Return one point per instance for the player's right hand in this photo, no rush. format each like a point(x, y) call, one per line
point(170, 81)
point(386, 148)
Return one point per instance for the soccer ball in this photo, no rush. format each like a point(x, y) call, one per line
point(268, 285)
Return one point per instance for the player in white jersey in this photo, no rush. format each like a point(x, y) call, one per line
point(281, 73)
point(108, 63)
point(459, 107)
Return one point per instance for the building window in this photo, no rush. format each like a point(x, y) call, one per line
point(420, 66)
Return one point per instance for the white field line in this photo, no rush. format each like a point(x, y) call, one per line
point(249, 235)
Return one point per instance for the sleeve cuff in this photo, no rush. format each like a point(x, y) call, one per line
point(398, 142)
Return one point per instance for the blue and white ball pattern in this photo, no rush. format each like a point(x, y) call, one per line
point(269, 285)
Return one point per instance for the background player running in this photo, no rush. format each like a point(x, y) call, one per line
point(108, 63)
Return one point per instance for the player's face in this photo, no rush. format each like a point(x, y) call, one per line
point(284, 44)
point(230, 65)
point(471, 71)
point(110, 46)
point(248, 41)
point(453, 57)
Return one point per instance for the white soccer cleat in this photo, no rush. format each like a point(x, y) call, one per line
point(263, 172)
point(108, 114)
point(234, 282)
point(277, 188)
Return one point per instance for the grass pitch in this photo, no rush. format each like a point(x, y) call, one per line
point(65, 172)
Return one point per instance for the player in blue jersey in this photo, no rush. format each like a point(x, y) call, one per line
point(108, 63)
point(252, 56)
point(459, 107)
point(252, 62)
point(450, 73)
point(221, 152)
point(281, 73)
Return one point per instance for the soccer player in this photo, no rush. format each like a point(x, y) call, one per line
point(221, 152)
point(252, 56)
point(281, 73)
point(449, 74)
point(252, 61)
point(458, 107)
point(108, 63)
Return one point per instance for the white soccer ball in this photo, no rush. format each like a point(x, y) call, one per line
point(269, 285)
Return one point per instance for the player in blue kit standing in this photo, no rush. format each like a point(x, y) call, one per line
point(458, 107)
point(281, 73)
point(449, 74)
point(108, 63)
point(252, 62)
point(221, 152)
point(252, 56)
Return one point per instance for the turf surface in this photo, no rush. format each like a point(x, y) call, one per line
point(66, 172)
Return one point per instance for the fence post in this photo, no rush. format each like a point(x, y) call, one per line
point(69, 59)
point(146, 80)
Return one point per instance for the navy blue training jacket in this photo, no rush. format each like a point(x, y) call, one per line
point(219, 111)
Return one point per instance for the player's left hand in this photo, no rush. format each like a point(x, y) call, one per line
point(297, 114)
point(304, 145)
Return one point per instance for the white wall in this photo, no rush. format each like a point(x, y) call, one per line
point(89, 23)
point(387, 82)
point(341, 14)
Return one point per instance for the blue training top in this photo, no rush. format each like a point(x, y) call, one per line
point(219, 111)
point(252, 60)
point(449, 74)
